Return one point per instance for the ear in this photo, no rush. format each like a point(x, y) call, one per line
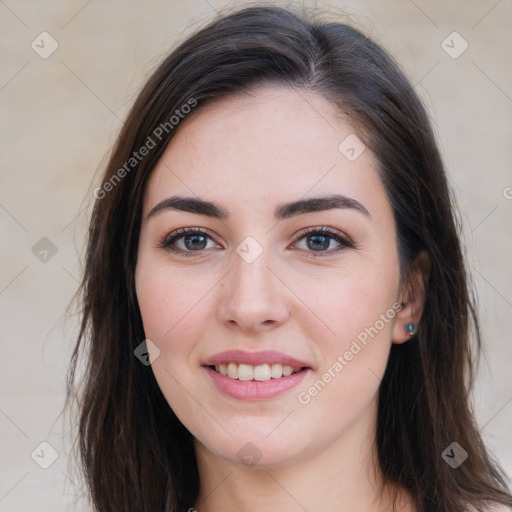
point(412, 298)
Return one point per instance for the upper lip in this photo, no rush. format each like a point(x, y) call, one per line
point(254, 358)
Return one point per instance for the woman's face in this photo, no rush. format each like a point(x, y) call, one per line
point(266, 283)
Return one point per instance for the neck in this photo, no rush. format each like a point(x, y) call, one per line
point(344, 477)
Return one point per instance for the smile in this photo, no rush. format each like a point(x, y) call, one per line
point(246, 375)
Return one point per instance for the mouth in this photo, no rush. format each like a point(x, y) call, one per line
point(254, 375)
point(259, 373)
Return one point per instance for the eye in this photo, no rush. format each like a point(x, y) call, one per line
point(188, 241)
point(317, 241)
point(321, 241)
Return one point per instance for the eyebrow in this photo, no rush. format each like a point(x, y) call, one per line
point(282, 212)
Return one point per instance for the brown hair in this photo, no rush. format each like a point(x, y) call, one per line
point(135, 453)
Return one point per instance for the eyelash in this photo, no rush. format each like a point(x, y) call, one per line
point(168, 240)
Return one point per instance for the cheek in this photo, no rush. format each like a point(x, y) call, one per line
point(347, 303)
point(364, 311)
point(356, 310)
point(173, 307)
point(354, 360)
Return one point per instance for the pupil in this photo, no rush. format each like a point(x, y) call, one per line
point(195, 241)
point(318, 242)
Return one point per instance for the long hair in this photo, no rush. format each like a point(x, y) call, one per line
point(135, 454)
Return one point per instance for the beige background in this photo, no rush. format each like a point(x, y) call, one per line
point(60, 115)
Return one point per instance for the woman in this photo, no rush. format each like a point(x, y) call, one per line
point(276, 307)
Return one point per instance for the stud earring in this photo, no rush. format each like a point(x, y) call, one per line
point(409, 328)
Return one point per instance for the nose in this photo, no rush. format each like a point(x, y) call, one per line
point(253, 298)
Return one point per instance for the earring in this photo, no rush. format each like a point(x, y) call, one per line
point(409, 328)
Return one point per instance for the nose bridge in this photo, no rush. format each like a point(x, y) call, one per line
point(252, 276)
point(253, 296)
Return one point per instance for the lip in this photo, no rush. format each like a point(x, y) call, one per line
point(254, 358)
point(255, 390)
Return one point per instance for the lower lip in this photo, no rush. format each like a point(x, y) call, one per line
point(252, 389)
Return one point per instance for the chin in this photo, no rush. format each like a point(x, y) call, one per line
point(262, 448)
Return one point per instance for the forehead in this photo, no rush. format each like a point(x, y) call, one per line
point(264, 147)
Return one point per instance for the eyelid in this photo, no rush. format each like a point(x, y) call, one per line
point(323, 229)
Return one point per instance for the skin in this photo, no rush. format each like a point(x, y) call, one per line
point(249, 154)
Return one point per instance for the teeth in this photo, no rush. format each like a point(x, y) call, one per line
point(277, 371)
point(287, 370)
point(245, 372)
point(233, 370)
point(262, 372)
